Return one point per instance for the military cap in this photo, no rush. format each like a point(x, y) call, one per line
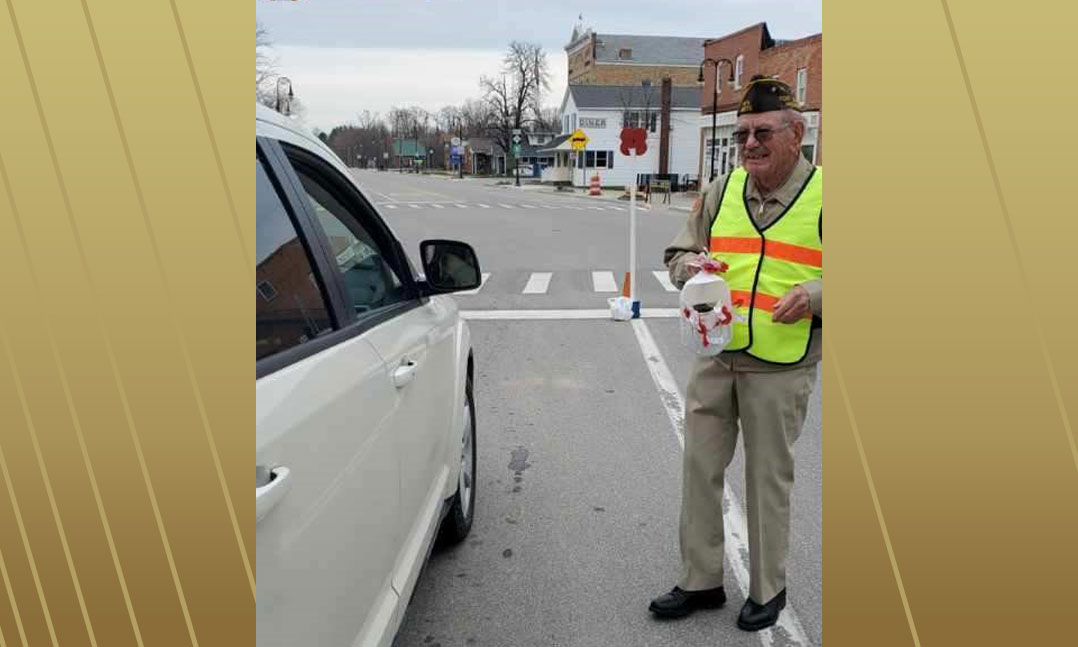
point(766, 93)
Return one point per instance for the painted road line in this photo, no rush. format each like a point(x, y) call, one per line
point(415, 206)
point(538, 283)
point(482, 282)
point(507, 206)
point(461, 206)
point(527, 206)
point(390, 206)
point(604, 282)
point(484, 206)
point(664, 278)
point(437, 206)
point(531, 315)
point(737, 548)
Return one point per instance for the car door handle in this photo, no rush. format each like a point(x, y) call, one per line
point(270, 494)
point(404, 374)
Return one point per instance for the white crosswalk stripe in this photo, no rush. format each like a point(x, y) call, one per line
point(604, 282)
point(538, 283)
point(522, 205)
point(664, 279)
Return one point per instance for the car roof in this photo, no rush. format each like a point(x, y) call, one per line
point(270, 123)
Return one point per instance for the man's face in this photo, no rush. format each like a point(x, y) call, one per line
point(772, 146)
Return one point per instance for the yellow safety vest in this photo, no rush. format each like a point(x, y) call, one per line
point(766, 263)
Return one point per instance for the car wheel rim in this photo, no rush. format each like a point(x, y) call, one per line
point(467, 464)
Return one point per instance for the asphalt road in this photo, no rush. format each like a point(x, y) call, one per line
point(579, 462)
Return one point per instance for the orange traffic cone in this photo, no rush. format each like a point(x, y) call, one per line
point(594, 189)
point(625, 285)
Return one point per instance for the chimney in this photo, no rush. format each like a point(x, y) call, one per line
point(664, 130)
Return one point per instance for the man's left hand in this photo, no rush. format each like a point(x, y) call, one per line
point(793, 306)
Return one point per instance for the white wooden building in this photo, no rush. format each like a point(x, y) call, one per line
point(601, 111)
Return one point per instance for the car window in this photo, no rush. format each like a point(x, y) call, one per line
point(370, 279)
point(291, 309)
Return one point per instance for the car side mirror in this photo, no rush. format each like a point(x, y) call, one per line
point(449, 266)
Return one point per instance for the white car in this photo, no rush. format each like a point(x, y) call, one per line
point(365, 419)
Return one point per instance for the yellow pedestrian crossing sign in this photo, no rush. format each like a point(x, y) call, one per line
point(578, 140)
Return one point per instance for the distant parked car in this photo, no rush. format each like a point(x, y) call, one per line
point(365, 415)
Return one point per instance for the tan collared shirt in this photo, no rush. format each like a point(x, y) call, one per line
point(695, 237)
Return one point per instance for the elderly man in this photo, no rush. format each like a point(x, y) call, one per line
point(765, 220)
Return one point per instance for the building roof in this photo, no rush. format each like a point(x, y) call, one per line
point(655, 50)
point(555, 143)
point(632, 97)
point(480, 144)
point(767, 40)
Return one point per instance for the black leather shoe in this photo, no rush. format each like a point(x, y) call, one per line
point(754, 617)
point(678, 602)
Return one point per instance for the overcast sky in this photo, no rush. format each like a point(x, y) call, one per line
point(345, 56)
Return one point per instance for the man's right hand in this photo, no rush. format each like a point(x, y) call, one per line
point(694, 264)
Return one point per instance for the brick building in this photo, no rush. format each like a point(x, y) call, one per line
point(623, 60)
point(752, 50)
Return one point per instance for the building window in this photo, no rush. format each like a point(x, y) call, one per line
point(635, 119)
point(599, 159)
point(739, 69)
point(802, 85)
point(625, 54)
point(266, 290)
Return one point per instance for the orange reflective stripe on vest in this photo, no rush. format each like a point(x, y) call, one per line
point(775, 249)
point(765, 302)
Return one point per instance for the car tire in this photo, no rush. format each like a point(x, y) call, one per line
point(458, 519)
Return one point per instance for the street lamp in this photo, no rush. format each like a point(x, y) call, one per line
point(714, 99)
point(289, 82)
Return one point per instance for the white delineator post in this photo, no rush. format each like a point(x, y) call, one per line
point(632, 243)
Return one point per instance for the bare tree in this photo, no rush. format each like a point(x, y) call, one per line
point(447, 119)
point(265, 67)
point(476, 117)
point(548, 119)
point(513, 99)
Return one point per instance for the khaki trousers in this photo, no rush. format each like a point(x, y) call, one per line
point(771, 407)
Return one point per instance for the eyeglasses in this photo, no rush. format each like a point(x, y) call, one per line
point(763, 135)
